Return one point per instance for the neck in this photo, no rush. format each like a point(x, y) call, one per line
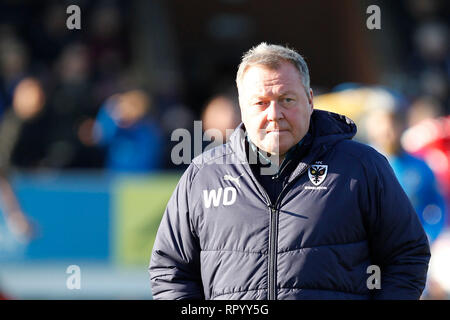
point(280, 159)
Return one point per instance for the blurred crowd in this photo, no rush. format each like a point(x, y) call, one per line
point(424, 32)
point(71, 99)
point(53, 79)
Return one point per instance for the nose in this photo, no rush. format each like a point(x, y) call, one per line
point(274, 111)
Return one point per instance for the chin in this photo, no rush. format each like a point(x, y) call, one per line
point(275, 148)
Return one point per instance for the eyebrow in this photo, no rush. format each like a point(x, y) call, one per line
point(256, 96)
point(288, 92)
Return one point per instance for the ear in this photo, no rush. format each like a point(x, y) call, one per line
point(311, 98)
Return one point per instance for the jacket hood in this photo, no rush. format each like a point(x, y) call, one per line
point(327, 128)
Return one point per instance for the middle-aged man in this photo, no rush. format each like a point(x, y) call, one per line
point(235, 228)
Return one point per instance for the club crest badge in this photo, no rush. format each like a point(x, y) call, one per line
point(317, 173)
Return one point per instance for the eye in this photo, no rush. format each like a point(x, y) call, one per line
point(260, 103)
point(287, 100)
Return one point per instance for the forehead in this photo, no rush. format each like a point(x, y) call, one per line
point(261, 78)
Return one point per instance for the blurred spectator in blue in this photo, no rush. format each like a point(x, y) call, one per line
point(132, 138)
point(385, 125)
point(428, 137)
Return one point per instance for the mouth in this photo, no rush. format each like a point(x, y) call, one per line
point(276, 131)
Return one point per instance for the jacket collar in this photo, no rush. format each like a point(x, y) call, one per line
point(326, 128)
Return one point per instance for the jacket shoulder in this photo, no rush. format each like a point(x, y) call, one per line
point(217, 155)
point(359, 150)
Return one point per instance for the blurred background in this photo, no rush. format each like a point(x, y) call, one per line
point(86, 118)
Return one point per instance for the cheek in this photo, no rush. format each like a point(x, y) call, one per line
point(253, 125)
point(255, 119)
point(296, 116)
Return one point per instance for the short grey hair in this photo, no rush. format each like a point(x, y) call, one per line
point(271, 55)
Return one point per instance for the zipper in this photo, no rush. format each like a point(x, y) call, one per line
point(273, 246)
point(273, 235)
point(273, 240)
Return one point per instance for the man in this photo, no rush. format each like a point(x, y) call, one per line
point(308, 230)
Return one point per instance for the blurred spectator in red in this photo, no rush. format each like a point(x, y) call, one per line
point(131, 136)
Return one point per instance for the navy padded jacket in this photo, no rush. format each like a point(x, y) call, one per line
point(343, 210)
